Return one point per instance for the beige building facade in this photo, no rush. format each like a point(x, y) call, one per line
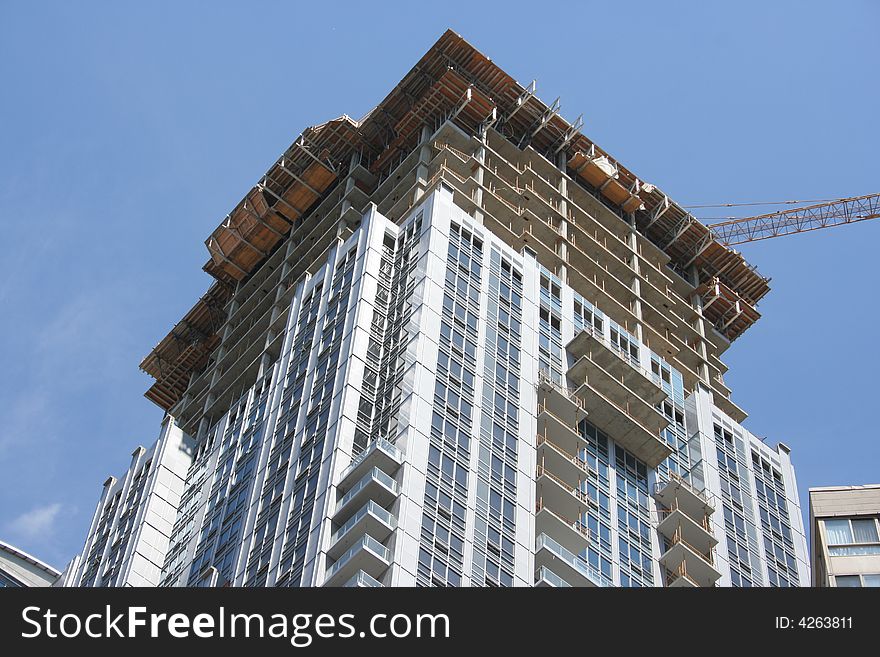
point(845, 536)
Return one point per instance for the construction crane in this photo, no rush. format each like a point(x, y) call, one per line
point(796, 220)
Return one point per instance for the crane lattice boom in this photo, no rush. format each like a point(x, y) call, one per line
point(797, 220)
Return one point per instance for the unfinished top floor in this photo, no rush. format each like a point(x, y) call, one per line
point(515, 164)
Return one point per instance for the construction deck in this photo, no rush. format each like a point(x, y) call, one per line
point(528, 174)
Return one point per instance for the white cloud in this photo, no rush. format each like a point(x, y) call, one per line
point(37, 523)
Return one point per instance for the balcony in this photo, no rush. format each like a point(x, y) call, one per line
point(550, 554)
point(565, 499)
point(679, 579)
point(675, 492)
point(687, 560)
point(367, 555)
point(546, 578)
point(379, 454)
point(592, 346)
point(370, 519)
point(374, 485)
point(614, 387)
point(731, 409)
point(362, 581)
point(573, 535)
point(558, 459)
point(694, 532)
point(557, 401)
point(564, 435)
point(606, 264)
point(628, 419)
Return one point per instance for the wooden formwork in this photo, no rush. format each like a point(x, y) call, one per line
point(263, 219)
point(604, 176)
point(172, 384)
point(451, 96)
point(452, 80)
point(729, 313)
point(187, 347)
point(690, 243)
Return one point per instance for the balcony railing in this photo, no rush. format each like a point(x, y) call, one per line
point(373, 475)
point(574, 562)
point(574, 458)
point(369, 508)
point(366, 542)
point(676, 491)
point(676, 538)
point(703, 521)
point(672, 477)
point(621, 352)
point(576, 525)
point(563, 390)
point(362, 580)
point(679, 573)
point(380, 444)
point(543, 409)
point(546, 575)
point(576, 492)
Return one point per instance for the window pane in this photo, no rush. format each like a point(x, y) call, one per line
point(838, 532)
point(854, 550)
point(865, 531)
point(848, 581)
point(871, 580)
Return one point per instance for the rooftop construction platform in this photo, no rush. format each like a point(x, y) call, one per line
point(343, 164)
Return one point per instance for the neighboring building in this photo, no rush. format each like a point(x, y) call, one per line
point(128, 536)
point(19, 569)
point(845, 535)
point(455, 343)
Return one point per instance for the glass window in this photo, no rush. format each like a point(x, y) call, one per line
point(865, 531)
point(854, 550)
point(838, 532)
point(872, 581)
point(848, 581)
point(843, 531)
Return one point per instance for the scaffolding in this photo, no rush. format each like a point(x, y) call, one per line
point(187, 347)
point(453, 82)
point(725, 309)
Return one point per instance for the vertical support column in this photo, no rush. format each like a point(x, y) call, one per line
point(78, 568)
point(349, 182)
point(127, 480)
point(697, 302)
point(562, 241)
point(636, 284)
point(281, 288)
point(271, 334)
point(422, 166)
point(342, 223)
point(187, 397)
point(480, 156)
point(221, 352)
point(202, 428)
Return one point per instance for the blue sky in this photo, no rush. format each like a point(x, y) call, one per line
point(127, 132)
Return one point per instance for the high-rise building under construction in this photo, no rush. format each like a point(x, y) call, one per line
point(457, 343)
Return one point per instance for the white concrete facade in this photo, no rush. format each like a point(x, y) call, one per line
point(129, 533)
point(414, 389)
point(749, 538)
point(383, 449)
